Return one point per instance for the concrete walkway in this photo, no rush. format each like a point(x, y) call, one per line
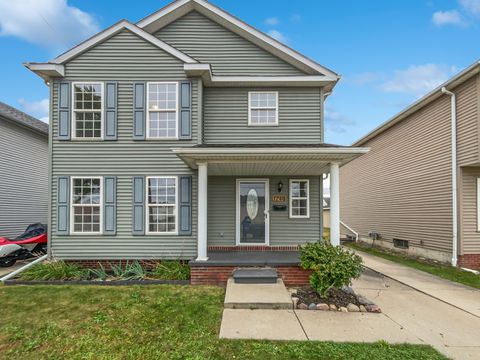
point(409, 316)
point(461, 296)
point(8, 270)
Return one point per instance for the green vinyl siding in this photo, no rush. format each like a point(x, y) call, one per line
point(228, 53)
point(125, 58)
point(226, 117)
point(283, 230)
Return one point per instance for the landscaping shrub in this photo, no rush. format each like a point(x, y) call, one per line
point(332, 266)
point(171, 270)
point(129, 271)
point(54, 270)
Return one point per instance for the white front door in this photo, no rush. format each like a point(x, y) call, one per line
point(252, 212)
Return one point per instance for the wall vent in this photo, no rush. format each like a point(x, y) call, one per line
point(399, 243)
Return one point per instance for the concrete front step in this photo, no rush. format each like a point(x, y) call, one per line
point(255, 276)
point(257, 296)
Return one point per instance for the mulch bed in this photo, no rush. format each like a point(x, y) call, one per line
point(335, 296)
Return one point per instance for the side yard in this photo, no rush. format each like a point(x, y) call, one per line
point(148, 322)
point(441, 270)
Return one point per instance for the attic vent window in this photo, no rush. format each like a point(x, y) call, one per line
point(401, 244)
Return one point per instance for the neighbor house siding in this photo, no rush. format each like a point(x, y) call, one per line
point(403, 187)
point(124, 58)
point(226, 117)
point(24, 179)
point(227, 52)
point(283, 230)
point(469, 234)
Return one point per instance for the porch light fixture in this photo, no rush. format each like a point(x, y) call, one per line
point(280, 186)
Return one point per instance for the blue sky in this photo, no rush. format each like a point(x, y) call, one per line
point(389, 53)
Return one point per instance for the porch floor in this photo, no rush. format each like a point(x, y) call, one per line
point(249, 258)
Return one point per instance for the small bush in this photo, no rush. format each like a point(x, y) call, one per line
point(171, 270)
point(332, 266)
point(54, 270)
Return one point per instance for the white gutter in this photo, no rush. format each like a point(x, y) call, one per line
point(23, 268)
point(454, 175)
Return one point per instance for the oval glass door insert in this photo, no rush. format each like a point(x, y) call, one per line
point(252, 204)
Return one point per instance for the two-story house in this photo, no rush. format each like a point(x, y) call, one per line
point(189, 135)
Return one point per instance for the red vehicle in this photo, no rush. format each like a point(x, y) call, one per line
point(31, 243)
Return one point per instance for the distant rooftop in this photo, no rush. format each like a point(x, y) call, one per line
point(19, 117)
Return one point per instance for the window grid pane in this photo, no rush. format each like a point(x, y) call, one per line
point(161, 201)
point(263, 108)
point(299, 198)
point(86, 205)
point(87, 106)
point(162, 110)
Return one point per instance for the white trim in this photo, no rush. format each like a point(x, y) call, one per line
point(72, 115)
point(267, 209)
point(290, 215)
point(147, 206)
point(478, 204)
point(72, 222)
point(173, 12)
point(202, 212)
point(269, 150)
point(250, 108)
point(113, 30)
point(147, 135)
point(46, 69)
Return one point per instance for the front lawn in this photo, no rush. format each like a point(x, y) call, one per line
point(150, 322)
point(444, 271)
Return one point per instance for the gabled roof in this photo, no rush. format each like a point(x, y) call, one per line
point(458, 79)
point(179, 8)
point(54, 68)
point(14, 115)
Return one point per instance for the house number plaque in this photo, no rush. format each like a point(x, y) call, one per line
point(279, 198)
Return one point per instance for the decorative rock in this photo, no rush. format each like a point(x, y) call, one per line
point(312, 306)
point(333, 307)
point(362, 308)
point(348, 290)
point(343, 309)
point(293, 291)
point(364, 301)
point(295, 302)
point(323, 307)
point(353, 308)
point(302, 306)
point(373, 309)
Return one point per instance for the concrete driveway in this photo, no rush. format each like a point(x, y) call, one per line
point(7, 270)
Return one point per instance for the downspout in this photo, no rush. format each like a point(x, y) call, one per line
point(454, 175)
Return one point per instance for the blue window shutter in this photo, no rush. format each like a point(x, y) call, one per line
point(139, 111)
point(185, 203)
point(185, 116)
point(110, 205)
point(63, 205)
point(110, 110)
point(64, 110)
point(138, 225)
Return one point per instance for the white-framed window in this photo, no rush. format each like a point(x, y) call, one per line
point(478, 204)
point(162, 119)
point(299, 198)
point(263, 108)
point(86, 212)
point(87, 110)
point(162, 209)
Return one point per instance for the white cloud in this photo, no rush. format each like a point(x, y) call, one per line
point(272, 21)
point(418, 79)
point(336, 122)
point(38, 109)
point(364, 78)
point(49, 23)
point(277, 35)
point(451, 17)
point(471, 6)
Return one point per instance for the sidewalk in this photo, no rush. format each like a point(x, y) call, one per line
point(458, 295)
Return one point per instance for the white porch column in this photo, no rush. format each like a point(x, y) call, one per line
point(202, 212)
point(334, 204)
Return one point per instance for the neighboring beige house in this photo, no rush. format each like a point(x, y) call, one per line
point(411, 188)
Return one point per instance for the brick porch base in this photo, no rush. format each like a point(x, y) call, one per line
point(218, 275)
point(470, 261)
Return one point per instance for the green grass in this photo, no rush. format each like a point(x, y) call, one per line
point(151, 322)
point(326, 233)
point(444, 271)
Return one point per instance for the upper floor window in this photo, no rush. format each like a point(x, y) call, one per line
point(263, 108)
point(299, 199)
point(162, 117)
point(87, 110)
point(86, 205)
point(161, 205)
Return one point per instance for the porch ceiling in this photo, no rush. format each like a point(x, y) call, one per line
point(260, 160)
